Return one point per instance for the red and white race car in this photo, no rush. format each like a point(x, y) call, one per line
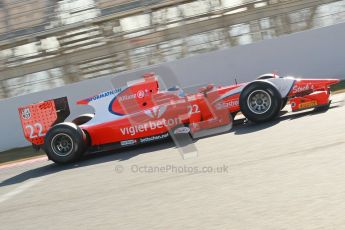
point(141, 113)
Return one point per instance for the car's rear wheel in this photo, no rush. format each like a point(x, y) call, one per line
point(65, 143)
point(260, 101)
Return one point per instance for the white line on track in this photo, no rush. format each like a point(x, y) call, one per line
point(20, 189)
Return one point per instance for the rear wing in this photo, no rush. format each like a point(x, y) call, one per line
point(37, 119)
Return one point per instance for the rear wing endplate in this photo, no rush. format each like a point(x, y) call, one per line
point(37, 119)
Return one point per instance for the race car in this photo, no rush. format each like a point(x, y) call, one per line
point(141, 112)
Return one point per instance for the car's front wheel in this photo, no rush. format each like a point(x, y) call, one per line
point(260, 101)
point(284, 102)
point(65, 143)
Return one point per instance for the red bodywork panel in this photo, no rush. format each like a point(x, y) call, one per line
point(142, 111)
point(167, 111)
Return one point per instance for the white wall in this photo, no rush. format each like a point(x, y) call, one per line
point(313, 54)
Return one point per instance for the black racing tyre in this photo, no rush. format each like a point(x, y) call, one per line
point(284, 103)
point(233, 115)
point(260, 101)
point(64, 143)
point(82, 119)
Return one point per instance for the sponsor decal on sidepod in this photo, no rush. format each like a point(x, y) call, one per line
point(299, 89)
point(225, 105)
point(151, 125)
point(154, 138)
point(128, 142)
point(139, 94)
point(105, 94)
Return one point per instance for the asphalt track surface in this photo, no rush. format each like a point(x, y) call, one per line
point(285, 174)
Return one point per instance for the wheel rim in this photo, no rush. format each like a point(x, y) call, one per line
point(62, 145)
point(259, 102)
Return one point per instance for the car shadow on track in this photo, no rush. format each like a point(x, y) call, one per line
point(240, 128)
point(90, 159)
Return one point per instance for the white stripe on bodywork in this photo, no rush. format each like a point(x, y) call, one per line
point(231, 93)
point(101, 108)
point(283, 85)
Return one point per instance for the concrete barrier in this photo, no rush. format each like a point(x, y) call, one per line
point(315, 53)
